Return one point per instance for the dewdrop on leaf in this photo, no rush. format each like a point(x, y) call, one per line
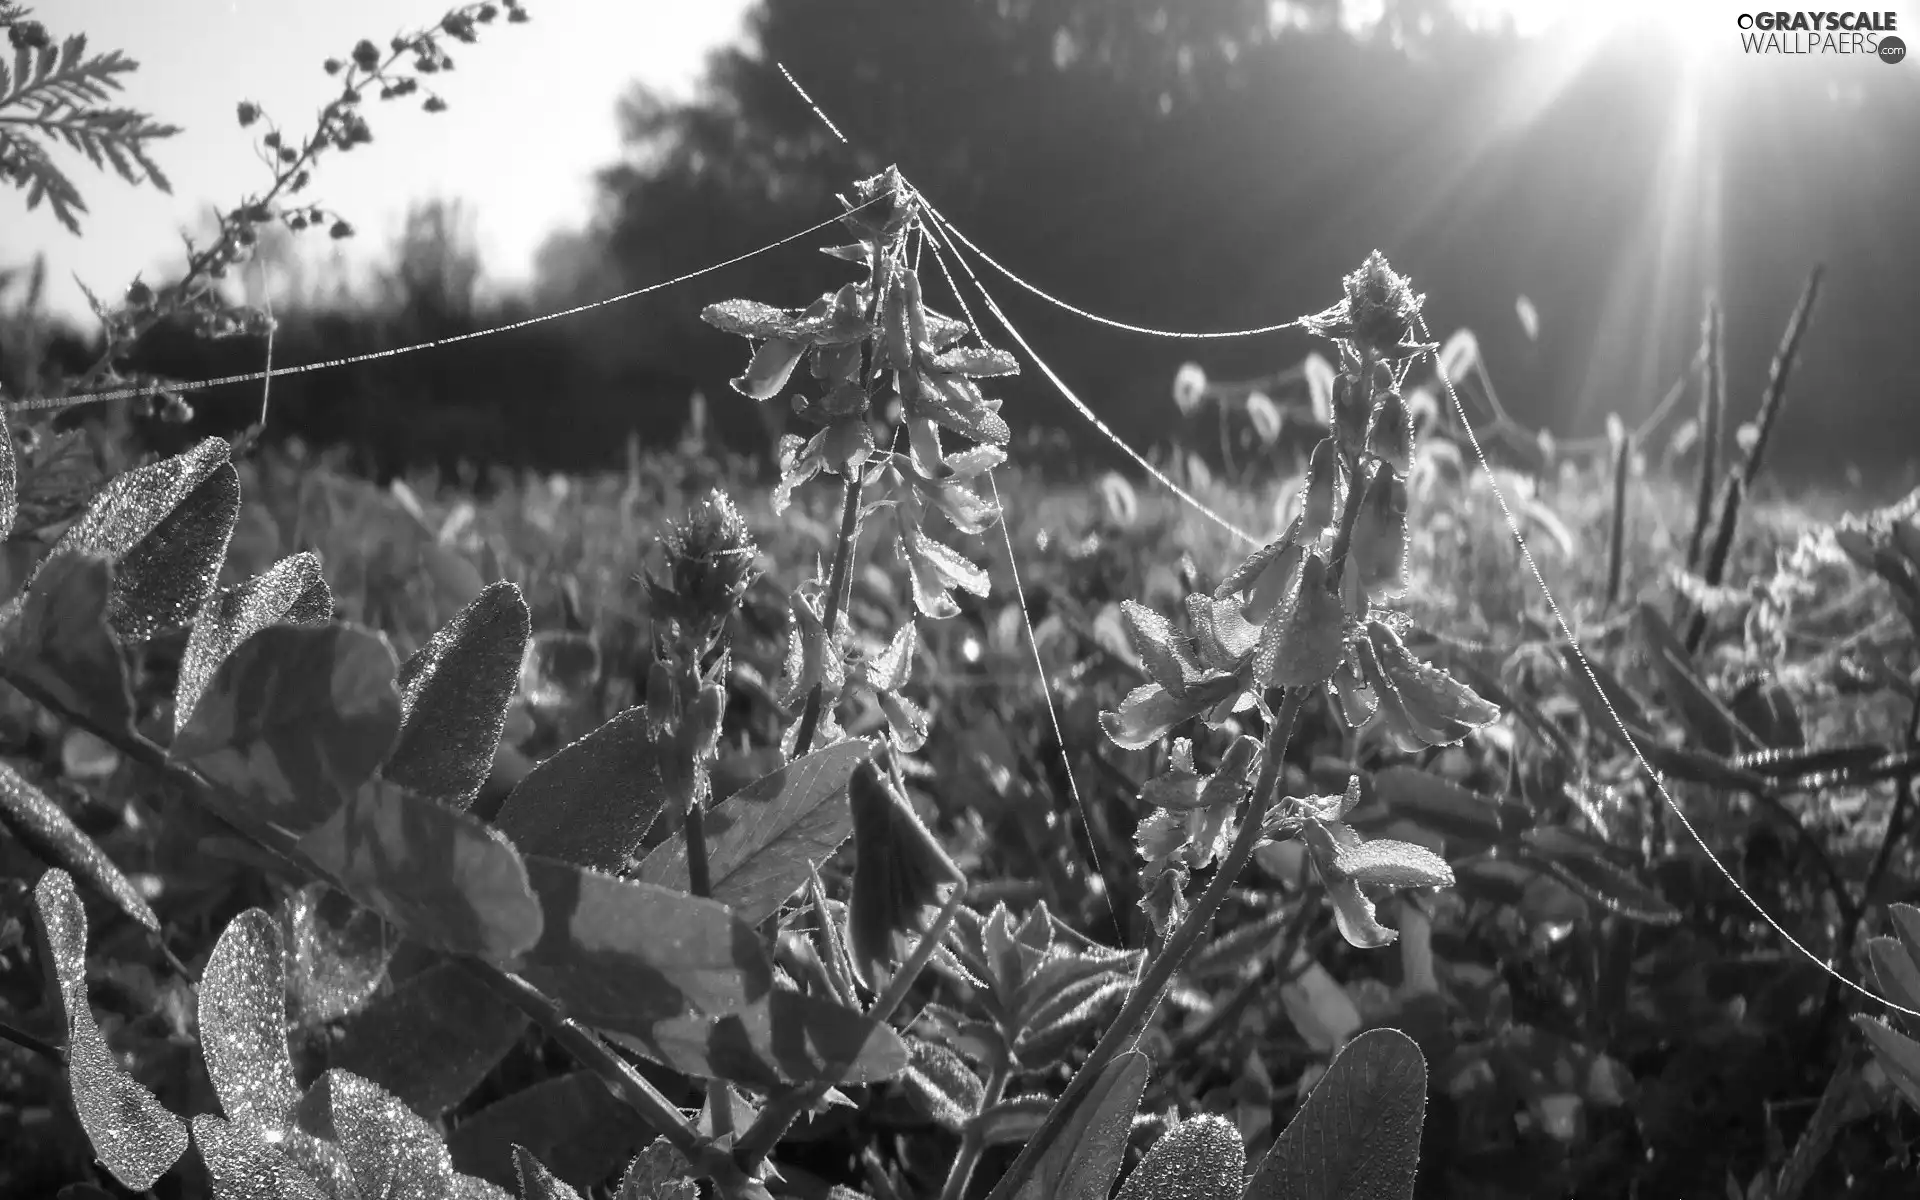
point(1189, 387)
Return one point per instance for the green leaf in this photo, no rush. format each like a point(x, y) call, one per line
point(1420, 705)
point(161, 582)
point(133, 1134)
point(1898, 1055)
point(291, 592)
point(1906, 923)
point(1461, 816)
point(538, 1183)
point(1582, 868)
point(941, 1085)
point(980, 362)
point(1384, 862)
point(9, 480)
point(440, 876)
point(1600, 692)
point(1150, 712)
point(750, 318)
point(55, 643)
point(44, 828)
point(1896, 970)
point(571, 1121)
point(336, 953)
point(432, 1039)
point(243, 1025)
point(765, 839)
point(1357, 1137)
point(392, 1154)
point(592, 802)
point(783, 1037)
point(295, 721)
point(1710, 722)
point(1084, 1160)
point(1767, 708)
point(772, 365)
point(659, 1173)
point(1154, 641)
point(1305, 634)
point(1380, 536)
point(1201, 1158)
point(133, 504)
point(624, 955)
point(244, 1166)
point(1012, 1121)
point(453, 698)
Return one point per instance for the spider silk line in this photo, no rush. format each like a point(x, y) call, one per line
point(1092, 417)
point(76, 399)
point(1026, 616)
point(1513, 527)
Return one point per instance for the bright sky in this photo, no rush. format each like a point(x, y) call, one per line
point(531, 115)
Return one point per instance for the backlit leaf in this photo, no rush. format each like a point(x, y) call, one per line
point(291, 592)
point(592, 802)
point(432, 1039)
point(336, 953)
point(765, 839)
point(295, 720)
point(941, 1084)
point(1305, 634)
point(393, 1154)
point(243, 1024)
point(1709, 720)
point(1084, 1160)
point(538, 1183)
point(453, 698)
point(133, 1134)
point(1201, 1158)
point(50, 835)
point(440, 876)
point(1421, 705)
point(244, 1166)
point(1357, 1137)
point(55, 643)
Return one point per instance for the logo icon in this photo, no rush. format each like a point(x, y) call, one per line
point(1892, 49)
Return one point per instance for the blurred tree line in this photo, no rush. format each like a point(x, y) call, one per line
point(1202, 164)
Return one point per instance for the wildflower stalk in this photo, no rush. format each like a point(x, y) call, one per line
point(1617, 527)
point(1713, 410)
point(1146, 995)
point(1783, 362)
point(785, 1108)
point(837, 578)
point(973, 1142)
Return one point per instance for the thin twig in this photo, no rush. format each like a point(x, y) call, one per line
point(836, 584)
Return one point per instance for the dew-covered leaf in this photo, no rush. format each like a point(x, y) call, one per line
point(1305, 635)
point(941, 1084)
point(133, 1134)
point(243, 1024)
point(1084, 1160)
point(980, 362)
point(440, 876)
point(55, 642)
point(536, 1182)
point(1201, 1158)
point(160, 583)
point(1380, 541)
point(1154, 641)
point(1421, 705)
point(392, 1153)
point(1150, 712)
point(244, 1166)
point(749, 318)
point(1896, 970)
point(133, 504)
point(295, 720)
point(454, 694)
point(765, 839)
point(1012, 1121)
point(592, 802)
point(50, 835)
point(291, 592)
point(336, 953)
point(1357, 1137)
point(9, 480)
point(658, 1173)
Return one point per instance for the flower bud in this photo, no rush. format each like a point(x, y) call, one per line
point(248, 113)
point(366, 55)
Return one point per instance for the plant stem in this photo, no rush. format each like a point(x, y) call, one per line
point(784, 1109)
point(700, 883)
point(972, 1143)
point(1713, 404)
point(1903, 802)
point(836, 586)
point(1159, 972)
point(22, 1038)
